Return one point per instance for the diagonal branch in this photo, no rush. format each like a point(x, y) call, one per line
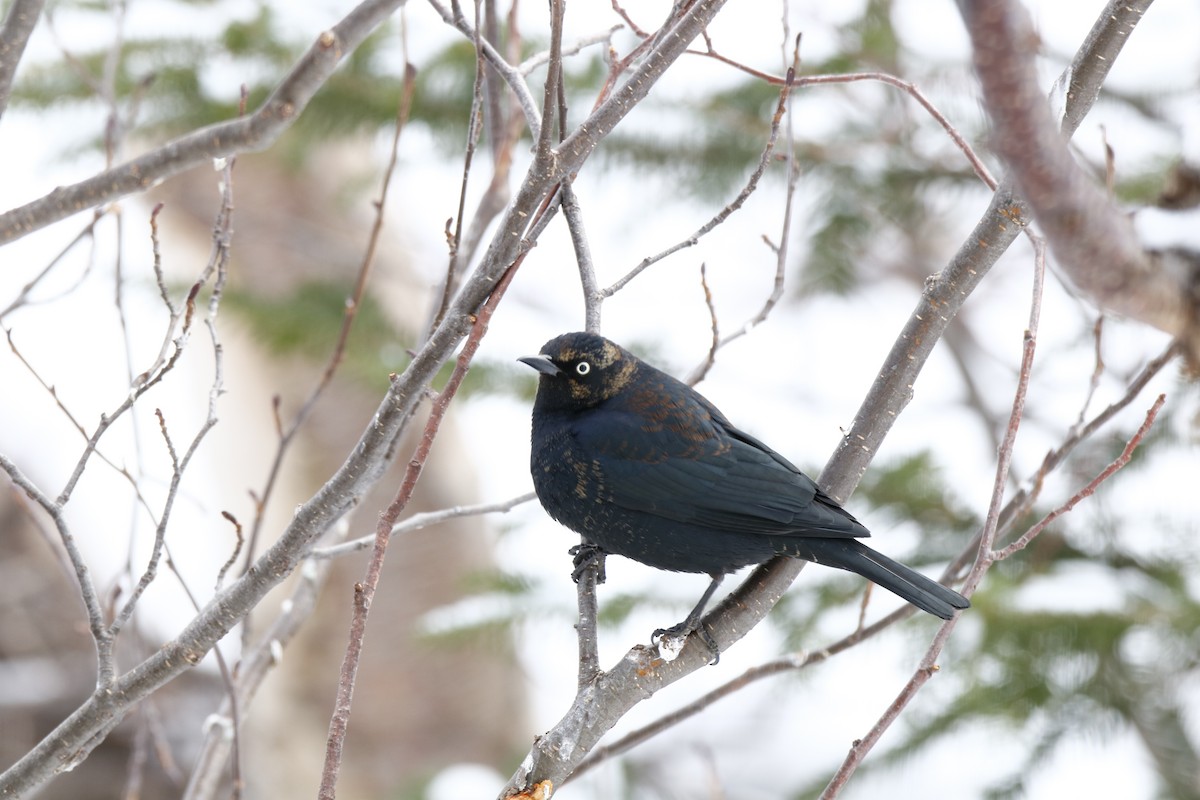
point(418, 521)
point(247, 134)
point(364, 591)
point(1092, 239)
point(14, 35)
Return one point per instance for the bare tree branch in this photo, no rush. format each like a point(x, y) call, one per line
point(248, 134)
point(418, 521)
point(593, 298)
point(457, 262)
point(256, 662)
point(1023, 499)
point(1092, 238)
point(538, 59)
point(364, 591)
point(353, 305)
point(14, 35)
point(882, 77)
point(1087, 491)
point(751, 184)
point(512, 76)
point(1004, 219)
point(861, 747)
point(87, 588)
point(697, 374)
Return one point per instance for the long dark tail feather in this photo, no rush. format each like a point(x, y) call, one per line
point(907, 583)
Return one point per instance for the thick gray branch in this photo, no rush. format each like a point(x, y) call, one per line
point(14, 35)
point(1092, 239)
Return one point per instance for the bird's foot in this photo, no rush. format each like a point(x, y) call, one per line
point(671, 640)
point(586, 557)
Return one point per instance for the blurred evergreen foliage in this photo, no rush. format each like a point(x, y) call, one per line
point(1042, 677)
point(306, 321)
point(1037, 675)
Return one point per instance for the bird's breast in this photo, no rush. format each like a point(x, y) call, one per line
point(567, 480)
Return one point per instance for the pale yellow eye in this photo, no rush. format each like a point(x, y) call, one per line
point(583, 368)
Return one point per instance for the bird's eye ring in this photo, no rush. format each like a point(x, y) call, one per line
point(583, 368)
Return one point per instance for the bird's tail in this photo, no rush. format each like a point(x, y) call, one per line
point(854, 556)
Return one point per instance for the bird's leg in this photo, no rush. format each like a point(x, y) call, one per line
point(693, 623)
point(587, 555)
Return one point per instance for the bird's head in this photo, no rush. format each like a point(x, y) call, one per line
point(580, 370)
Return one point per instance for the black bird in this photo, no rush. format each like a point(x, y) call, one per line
point(643, 466)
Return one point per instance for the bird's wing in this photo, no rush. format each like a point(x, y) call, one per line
point(707, 473)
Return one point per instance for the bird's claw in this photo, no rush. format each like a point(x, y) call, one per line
point(586, 556)
point(679, 633)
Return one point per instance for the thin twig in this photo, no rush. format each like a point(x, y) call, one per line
point(365, 591)
point(22, 297)
point(418, 521)
point(648, 44)
point(455, 266)
point(1087, 491)
point(353, 306)
point(1030, 489)
point(911, 89)
point(87, 589)
point(256, 662)
point(633, 26)
point(780, 250)
point(53, 392)
point(540, 59)
point(505, 128)
point(781, 263)
point(701, 370)
point(1004, 455)
point(511, 75)
point(239, 543)
point(1097, 370)
point(593, 298)
point(142, 383)
point(218, 269)
point(747, 190)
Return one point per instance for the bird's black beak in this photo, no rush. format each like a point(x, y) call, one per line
point(542, 364)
